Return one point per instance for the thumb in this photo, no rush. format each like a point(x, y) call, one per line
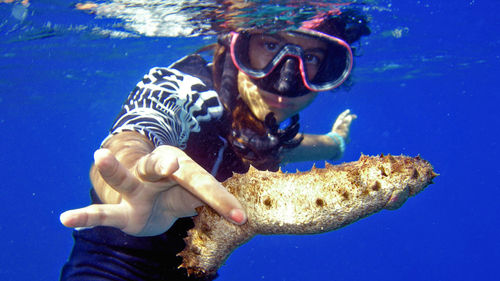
point(95, 215)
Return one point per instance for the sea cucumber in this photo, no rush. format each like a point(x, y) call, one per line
point(316, 201)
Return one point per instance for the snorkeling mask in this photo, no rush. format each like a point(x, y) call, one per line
point(286, 74)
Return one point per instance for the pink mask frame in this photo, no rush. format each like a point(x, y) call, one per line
point(294, 51)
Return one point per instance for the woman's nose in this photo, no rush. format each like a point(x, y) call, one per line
point(289, 76)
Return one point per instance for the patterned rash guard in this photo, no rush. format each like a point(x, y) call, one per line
point(170, 107)
point(166, 106)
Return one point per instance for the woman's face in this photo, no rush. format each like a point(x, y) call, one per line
point(262, 49)
point(262, 102)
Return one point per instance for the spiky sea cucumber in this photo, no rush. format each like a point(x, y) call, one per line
point(316, 201)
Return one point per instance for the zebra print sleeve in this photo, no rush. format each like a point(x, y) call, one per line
point(166, 106)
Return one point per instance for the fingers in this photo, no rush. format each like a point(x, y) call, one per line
point(95, 215)
point(181, 202)
point(114, 173)
point(353, 117)
point(344, 114)
point(347, 116)
point(340, 119)
point(204, 186)
point(156, 166)
point(171, 166)
point(344, 120)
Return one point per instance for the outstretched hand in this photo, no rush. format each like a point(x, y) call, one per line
point(342, 125)
point(164, 185)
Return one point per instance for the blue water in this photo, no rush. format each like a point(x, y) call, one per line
point(434, 91)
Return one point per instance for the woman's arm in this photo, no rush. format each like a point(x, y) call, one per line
point(145, 189)
point(312, 148)
point(141, 175)
point(323, 147)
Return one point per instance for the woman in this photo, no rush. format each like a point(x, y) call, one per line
point(186, 128)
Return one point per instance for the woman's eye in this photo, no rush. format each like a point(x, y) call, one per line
point(312, 59)
point(271, 46)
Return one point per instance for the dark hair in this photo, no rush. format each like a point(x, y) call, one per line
point(349, 25)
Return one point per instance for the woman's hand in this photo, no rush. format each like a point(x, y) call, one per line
point(343, 124)
point(164, 185)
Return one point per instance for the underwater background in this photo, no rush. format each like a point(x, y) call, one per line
point(426, 83)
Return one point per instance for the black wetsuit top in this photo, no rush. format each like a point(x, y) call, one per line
point(171, 106)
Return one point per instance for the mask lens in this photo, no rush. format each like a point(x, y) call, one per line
point(321, 69)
